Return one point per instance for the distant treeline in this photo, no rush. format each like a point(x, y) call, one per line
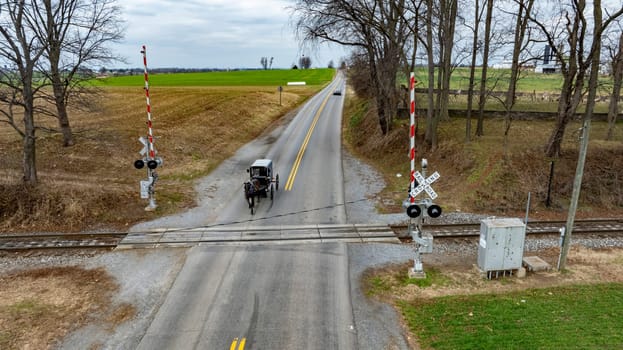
point(137, 71)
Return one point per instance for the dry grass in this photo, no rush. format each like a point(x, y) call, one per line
point(486, 177)
point(93, 184)
point(458, 275)
point(51, 302)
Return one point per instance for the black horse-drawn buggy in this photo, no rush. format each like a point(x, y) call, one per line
point(262, 182)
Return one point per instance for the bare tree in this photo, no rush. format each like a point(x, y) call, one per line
point(475, 29)
point(375, 27)
point(20, 51)
point(446, 32)
point(416, 9)
point(482, 96)
point(431, 133)
point(305, 62)
point(76, 34)
point(519, 45)
point(270, 63)
point(570, 40)
point(359, 75)
point(616, 54)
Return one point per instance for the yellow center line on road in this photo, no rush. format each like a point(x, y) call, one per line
point(238, 346)
point(299, 156)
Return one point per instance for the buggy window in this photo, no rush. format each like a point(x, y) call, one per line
point(259, 172)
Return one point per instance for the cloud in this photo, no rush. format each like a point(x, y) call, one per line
point(213, 33)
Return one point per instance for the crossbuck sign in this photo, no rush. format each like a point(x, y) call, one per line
point(424, 185)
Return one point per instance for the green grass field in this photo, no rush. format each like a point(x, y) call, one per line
point(273, 77)
point(529, 81)
point(576, 317)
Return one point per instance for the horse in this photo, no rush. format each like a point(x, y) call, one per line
point(250, 192)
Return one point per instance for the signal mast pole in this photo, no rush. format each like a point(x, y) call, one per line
point(151, 173)
point(149, 151)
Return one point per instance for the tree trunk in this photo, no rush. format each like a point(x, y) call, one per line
point(570, 98)
point(378, 91)
point(472, 73)
point(570, 92)
point(430, 134)
point(29, 141)
point(520, 29)
point(555, 139)
point(24, 54)
point(28, 160)
point(448, 43)
point(59, 88)
point(390, 69)
point(381, 108)
point(55, 35)
point(483, 77)
point(613, 108)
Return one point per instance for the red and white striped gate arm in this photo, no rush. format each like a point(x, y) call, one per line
point(150, 136)
point(412, 135)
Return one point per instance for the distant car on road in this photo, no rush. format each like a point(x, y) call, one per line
point(337, 92)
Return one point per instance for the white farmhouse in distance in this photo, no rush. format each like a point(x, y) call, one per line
point(506, 64)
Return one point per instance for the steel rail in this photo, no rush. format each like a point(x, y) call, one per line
point(18, 242)
point(590, 226)
point(22, 242)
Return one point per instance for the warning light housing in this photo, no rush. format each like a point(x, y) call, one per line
point(139, 164)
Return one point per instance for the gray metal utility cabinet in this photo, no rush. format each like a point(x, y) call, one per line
point(501, 244)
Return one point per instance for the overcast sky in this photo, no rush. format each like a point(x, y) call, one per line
point(213, 34)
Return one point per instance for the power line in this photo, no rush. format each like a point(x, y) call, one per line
point(270, 217)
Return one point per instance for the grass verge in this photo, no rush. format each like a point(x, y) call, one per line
point(574, 317)
point(456, 308)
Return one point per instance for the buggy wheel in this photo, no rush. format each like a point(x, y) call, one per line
point(272, 192)
point(277, 182)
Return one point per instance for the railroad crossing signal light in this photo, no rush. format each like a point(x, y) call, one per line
point(151, 164)
point(434, 211)
point(139, 164)
point(413, 211)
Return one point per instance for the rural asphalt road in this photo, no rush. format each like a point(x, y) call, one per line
point(307, 157)
point(272, 297)
point(280, 296)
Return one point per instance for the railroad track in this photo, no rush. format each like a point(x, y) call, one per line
point(60, 241)
point(589, 227)
point(109, 240)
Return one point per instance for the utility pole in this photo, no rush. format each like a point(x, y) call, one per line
point(586, 129)
point(575, 196)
